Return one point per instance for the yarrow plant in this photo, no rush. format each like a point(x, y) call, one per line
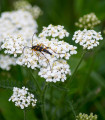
point(14, 44)
point(6, 62)
point(53, 62)
point(22, 98)
point(58, 72)
point(26, 6)
point(54, 31)
point(86, 117)
point(16, 23)
point(47, 53)
point(87, 38)
point(88, 21)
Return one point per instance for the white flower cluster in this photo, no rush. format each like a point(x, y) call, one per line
point(29, 58)
point(52, 67)
point(88, 21)
point(58, 71)
point(6, 61)
point(83, 116)
point(54, 31)
point(36, 11)
point(50, 58)
point(14, 44)
point(22, 98)
point(22, 4)
point(87, 38)
point(17, 22)
point(26, 6)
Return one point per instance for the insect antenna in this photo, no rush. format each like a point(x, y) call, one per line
point(50, 48)
point(56, 52)
point(32, 43)
point(33, 38)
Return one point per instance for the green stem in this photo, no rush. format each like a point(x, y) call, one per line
point(36, 83)
point(74, 73)
point(24, 114)
point(86, 81)
point(43, 103)
point(71, 78)
point(51, 99)
point(72, 108)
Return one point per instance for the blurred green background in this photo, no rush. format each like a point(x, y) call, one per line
point(86, 93)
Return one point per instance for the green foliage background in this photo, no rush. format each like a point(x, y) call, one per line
point(86, 93)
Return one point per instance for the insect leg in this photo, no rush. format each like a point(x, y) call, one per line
point(46, 59)
point(24, 48)
point(35, 53)
point(38, 56)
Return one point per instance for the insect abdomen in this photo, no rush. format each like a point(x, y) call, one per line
point(46, 51)
point(40, 49)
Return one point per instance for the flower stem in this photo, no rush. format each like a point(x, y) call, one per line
point(73, 75)
point(36, 82)
point(43, 102)
point(24, 114)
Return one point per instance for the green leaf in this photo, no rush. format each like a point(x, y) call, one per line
point(10, 111)
point(98, 79)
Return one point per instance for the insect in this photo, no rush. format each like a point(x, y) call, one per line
point(42, 49)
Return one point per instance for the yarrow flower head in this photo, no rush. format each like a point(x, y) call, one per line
point(58, 49)
point(6, 61)
point(36, 11)
point(22, 98)
point(16, 23)
point(58, 72)
point(22, 4)
point(14, 44)
point(54, 31)
point(57, 67)
point(42, 53)
point(86, 117)
point(88, 21)
point(87, 38)
point(26, 6)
